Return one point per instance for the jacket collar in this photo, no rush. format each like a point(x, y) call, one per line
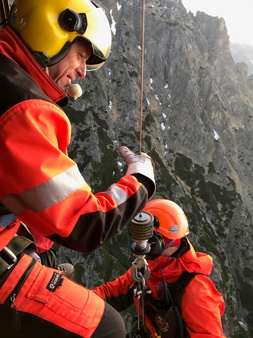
point(191, 261)
point(13, 47)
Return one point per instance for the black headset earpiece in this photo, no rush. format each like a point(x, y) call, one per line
point(72, 21)
point(156, 222)
point(156, 245)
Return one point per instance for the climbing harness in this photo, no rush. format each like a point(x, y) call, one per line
point(166, 311)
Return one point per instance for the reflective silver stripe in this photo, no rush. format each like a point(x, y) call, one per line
point(46, 194)
point(119, 195)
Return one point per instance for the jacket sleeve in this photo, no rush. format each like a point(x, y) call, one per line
point(45, 188)
point(202, 307)
point(118, 293)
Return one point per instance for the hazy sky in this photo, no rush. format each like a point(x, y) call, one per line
point(237, 14)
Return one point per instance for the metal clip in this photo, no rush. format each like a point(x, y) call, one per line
point(140, 263)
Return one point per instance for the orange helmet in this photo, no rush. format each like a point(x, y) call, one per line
point(172, 221)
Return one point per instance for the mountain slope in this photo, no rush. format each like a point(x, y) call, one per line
point(197, 126)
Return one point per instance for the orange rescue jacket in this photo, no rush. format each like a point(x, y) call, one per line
point(39, 183)
point(202, 305)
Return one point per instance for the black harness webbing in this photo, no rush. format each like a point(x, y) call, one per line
point(9, 254)
point(167, 309)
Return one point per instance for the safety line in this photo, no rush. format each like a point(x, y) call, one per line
point(142, 72)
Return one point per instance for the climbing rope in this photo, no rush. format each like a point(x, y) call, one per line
point(142, 73)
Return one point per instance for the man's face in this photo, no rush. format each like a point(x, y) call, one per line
point(72, 66)
point(169, 251)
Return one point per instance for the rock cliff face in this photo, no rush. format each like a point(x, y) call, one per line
point(243, 53)
point(197, 125)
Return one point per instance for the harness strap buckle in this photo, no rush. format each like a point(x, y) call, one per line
point(9, 257)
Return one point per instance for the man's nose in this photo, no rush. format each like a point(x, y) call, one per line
point(81, 71)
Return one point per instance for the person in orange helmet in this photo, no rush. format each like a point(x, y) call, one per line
point(171, 256)
point(44, 47)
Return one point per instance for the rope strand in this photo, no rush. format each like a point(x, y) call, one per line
point(142, 72)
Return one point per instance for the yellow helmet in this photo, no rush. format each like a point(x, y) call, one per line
point(49, 27)
point(172, 221)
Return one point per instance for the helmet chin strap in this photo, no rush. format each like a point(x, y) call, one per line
point(42, 58)
point(183, 248)
point(45, 61)
point(169, 244)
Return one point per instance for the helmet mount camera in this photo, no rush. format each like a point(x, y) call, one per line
point(140, 230)
point(72, 21)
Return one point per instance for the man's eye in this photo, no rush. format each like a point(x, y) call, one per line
point(82, 56)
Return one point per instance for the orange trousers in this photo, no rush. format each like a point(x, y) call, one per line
point(46, 303)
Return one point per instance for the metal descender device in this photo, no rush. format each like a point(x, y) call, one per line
point(140, 230)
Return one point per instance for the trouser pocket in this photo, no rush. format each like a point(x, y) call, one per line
point(53, 298)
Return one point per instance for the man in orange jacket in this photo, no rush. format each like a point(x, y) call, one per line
point(44, 47)
point(171, 254)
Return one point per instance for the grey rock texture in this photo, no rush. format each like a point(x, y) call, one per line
point(243, 53)
point(197, 123)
